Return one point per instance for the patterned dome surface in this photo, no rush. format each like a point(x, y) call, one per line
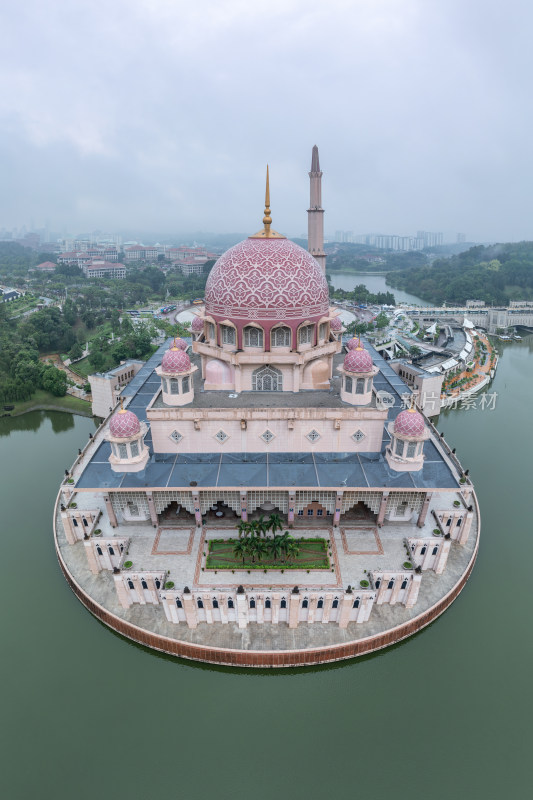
point(180, 343)
point(267, 279)
point(336, 324)
point(197, 325)
point(124, 424)
point(358, 360)
point(409, 423)
point(175, 360)
point(351, 344)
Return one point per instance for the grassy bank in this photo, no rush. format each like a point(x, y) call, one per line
point(45, 401)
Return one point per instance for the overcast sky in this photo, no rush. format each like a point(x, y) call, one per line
point(160, 115)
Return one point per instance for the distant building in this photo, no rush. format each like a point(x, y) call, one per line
point(46, 266)
point(104, 269)
point(139, 252)
point(8, 295)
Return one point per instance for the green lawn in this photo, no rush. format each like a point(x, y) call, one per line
point(45, 400)
point(313, 555)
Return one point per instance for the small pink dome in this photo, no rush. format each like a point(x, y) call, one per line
point(180, 343)
point(409, 423)
point(175, 360)
point(358, 360)
point(124, 424)
point(197, 325)
point(351, 344)
point(335, 324)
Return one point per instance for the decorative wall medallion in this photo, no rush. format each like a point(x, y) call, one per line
point(313, 436)
point(358, 436)
point(176, 436)
point(221, 436)
point(267, 436)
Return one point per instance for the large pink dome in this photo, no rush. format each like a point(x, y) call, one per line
point(358, 360)
point(124, 424)
point(336, 324)
point(409, 423)
point(175, 360)
point(197, 325)
point(267, 280)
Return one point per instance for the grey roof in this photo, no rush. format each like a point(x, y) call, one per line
point(343, 470)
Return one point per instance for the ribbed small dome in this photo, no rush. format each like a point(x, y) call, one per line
point(358, 360)
point(351, 344)
point(336, 324)
point(197, 325)
point(124, 424)
point(175, 360)
point(409, 423)
point(180, 343)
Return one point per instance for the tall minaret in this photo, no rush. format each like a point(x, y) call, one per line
point(315, 224)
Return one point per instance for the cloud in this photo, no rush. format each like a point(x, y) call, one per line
point(162, 115)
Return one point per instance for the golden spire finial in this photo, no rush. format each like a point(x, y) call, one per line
point(174, 346)
point(267, 232)
point(122, 409)
point(267, 219)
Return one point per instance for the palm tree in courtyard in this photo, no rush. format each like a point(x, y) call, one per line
point(243, 528)
point(240, 549)
point(276, 548)
point(261, 525)
point(292, 550)
point(275, 523)
point(285, 538)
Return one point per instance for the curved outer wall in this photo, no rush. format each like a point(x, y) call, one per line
point(266, 658)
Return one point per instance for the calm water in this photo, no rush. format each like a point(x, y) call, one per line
point(445, 714)
point(374, 283)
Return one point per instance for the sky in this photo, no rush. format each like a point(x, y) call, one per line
point(161, 115)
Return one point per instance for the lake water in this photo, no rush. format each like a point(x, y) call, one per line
point(374, 283)
point(87, 714)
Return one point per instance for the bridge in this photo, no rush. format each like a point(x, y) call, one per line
point(481, 316)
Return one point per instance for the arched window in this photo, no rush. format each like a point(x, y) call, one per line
point(252, 603)
point(179, 603)
point(210, 330)
point(121, 548)
point(404, 584)
point(174, 386)
point(305, 603)
point(305, 334)
point(435, 551)
point(99, 550)
point(356, 603)
point(320, 603)
point(360, 386)
point(390, 584)
point(335, 603)
point(267, 379)
point(283, 603)
point(84, 521)
point(157, 583)
point(423, 551)
point(228, 334)
point(144, 584)
point(185, 384)
point(322, 330)
point(122, 451)
point(215, 602)
point(378, 583)
point(134, 449)
point(131, 585)
point(75, 522)
point(399, 447)
point(200, 603)
point(348, 384)
point(230, 602)
point(267, 602)
point(253, 337)
point(281, 337)
point(411, 449)
point(111, 550)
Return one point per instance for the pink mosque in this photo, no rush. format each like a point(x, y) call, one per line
point(269, 409)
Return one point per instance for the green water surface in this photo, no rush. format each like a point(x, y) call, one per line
point(87, 714)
